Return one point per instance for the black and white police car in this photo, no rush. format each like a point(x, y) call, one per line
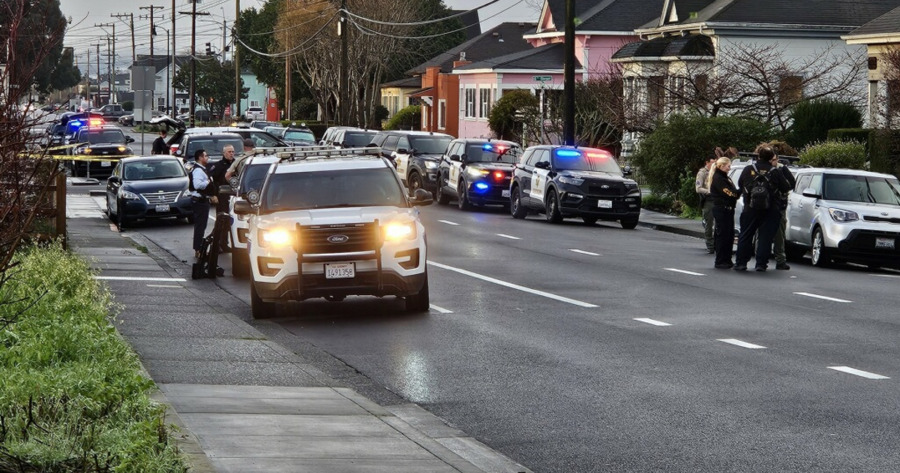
point(247, 188)
point(477, 172)
point(415, 154)
point(565, 181)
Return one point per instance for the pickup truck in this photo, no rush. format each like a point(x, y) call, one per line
point(111, 111)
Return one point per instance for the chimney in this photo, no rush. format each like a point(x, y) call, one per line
point(462, 60)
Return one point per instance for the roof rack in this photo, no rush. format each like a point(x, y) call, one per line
point(327, 153)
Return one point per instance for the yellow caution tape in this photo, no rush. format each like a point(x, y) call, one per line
point(81, 157)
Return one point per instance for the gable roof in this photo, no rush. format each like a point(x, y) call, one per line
point(469, 19)
point(549, 57)
point(505, 38)
point(159, 62)
point(886, 24)
point(667, 46)
point(605, 15)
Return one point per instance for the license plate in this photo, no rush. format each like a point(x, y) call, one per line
point(885, 243)
point(504, 193)
point(160, 208)
point(340, 271)
point(604, 204)
point(105, 164)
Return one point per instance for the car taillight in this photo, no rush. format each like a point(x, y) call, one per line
point(173, 149)
point(499, 176)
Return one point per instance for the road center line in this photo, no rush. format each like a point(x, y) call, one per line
point(853, 371)
point(164, 285)
point(816, 296)
point(654, 322)
point(128, 278)
point(740, 343)
point(513, 286)
point(891, 276)
point(583, 252)
point(508, 236)
point(441, 309)
point(684, 272)
point(448, 222)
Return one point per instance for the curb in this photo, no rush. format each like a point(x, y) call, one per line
point(672, 229)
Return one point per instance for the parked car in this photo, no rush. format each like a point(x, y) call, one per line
point(254, 113)
point(295, 136)
point(416, 154)
point(128, 120)
point(477, 172)
point(262, 124)
point(211, 142)
point(110, 111)
point(105, 142)
point(148, 188)
point(328, 137)
point(352, 138)
point(260, 138)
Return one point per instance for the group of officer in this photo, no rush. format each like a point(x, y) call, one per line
point(761, 227)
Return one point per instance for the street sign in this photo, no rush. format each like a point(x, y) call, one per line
point(542, 78)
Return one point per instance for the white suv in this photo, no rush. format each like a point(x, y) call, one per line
point(332, 224)
point(255, 113)
point(250, 182)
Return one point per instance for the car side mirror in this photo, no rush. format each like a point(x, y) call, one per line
point(129, 139)
point(464, 157)
point(242, 207)
point(810, 192)
point(422, 197)
point(226, 189)
point(455, 157)
point(542, 165)
point(626, 171)
point(402, 151)
point(114, 180)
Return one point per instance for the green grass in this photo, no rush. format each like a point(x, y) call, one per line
point(72, 395)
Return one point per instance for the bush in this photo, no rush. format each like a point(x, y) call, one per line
point(687, 196)
point(73, 397)
point(407, 118)
point(502, 119)
point(811, 120)
point(128, 106)
point(681, 145)
point(660, 203)
point(835, 154)
point(884, 151)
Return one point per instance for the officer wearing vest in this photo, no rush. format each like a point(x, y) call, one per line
point(202, 194)
point(759, 222)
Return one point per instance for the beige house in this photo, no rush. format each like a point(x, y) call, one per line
point(881, 37)
point(395, 95)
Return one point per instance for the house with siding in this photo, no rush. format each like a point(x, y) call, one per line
point(881, 38)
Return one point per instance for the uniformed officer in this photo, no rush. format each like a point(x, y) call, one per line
point(202, 194)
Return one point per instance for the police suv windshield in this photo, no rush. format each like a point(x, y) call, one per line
point(429, 144)
point(253, 177)
point(299, 135)
point(105, 136)
point(358, 139)
point(583, 161)
point(331, 189)
point(476, 153)
point(861, 189)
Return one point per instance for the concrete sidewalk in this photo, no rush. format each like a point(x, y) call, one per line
point(670, 223)
point(243, 402)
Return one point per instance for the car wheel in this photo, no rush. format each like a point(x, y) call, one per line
point(419, 302)
point(462, 200)
point(553, 214)
point(442, 197)
point(819, 252)
point(109, 212)
point(629, 223)
point(121, 221)
point(515, 204)
point(259, 308)
point(240, 263)
point(415, 182)
point(589, 220)
point(793, 252)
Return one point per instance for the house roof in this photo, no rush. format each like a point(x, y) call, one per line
point(606, 15)
point(889, 23)
point(502, 39)
point(159, 62)
point(408, 82)
point(550, 57)
point(668, 46)
point(470, 21)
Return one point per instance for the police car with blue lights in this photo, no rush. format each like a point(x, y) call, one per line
point(564, 181)
point(477, 172)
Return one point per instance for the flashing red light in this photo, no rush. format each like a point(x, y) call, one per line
point(599, 154)
point(499, 175)
point(95, 122)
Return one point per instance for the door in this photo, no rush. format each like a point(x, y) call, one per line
point(112, 187)
point(806, 210)
point(455, 167)
point(539, 177)
point(402, 159)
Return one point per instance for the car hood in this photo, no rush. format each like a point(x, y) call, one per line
point(864, 208)
point(156, 185)
point(104, 145)
point(335, 216)
point(604, 176)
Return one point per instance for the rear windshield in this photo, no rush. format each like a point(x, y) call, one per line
point(155, 169)
point(106, 136)
point(429, 144)
point(494, 154)
point(331, 189)
point(861, 189)
point(263, 140)
point(299, 135)
point(358, 139)
point(213, 146)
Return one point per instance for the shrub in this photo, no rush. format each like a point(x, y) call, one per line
point(884, 151)
point(835, 154)
point(128, 106)
point(503, 121)
point(687, 196)
point(660, 203)
point(407, 118)
point(812, 120)
point(681, 145)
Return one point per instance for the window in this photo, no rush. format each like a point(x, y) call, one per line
point(470, 103)
point(254, 103)
point(442, 114)
point(656, 96)
point(803, 184)
point(790, 90)
point(485, 110)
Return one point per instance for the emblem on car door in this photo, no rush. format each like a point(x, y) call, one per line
point(605, 186)
point(884, 214)
point(338, 239)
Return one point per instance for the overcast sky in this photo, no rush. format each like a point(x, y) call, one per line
point(85, 14)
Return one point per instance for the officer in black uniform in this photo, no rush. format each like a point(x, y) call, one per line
point(762, 223)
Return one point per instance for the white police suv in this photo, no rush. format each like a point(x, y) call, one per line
point(332, 224)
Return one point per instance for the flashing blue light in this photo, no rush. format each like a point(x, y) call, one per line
point(481, 187)
point(568, 153)
point(75, 124)
point(488, 147)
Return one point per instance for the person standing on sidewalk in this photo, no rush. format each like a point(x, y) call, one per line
point(159, 144)
point(200, 189)
point(723, 196)
point(760, 222)
point(706, 204)
point(238, 164)
point(217, 172)
point(781, 199)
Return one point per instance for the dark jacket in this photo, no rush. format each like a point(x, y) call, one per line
point(779, 184)
point(722, 191)
point(159, 146)
point(217, 171)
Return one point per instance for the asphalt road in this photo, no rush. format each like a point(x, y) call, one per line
point(574, 348)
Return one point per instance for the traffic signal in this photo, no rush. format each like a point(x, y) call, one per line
point(209, 49)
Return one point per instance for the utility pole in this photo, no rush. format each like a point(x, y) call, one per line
point(131, 26)
point(287, 88)
point(569, 76)
point(343, 31)
point(194, 15)
point(97, 97)
point(112, 79)
point(152, 17)
point(237, 63)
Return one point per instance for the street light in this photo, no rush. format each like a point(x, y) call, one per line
point(171, 66)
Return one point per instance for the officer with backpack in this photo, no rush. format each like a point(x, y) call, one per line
point(762, 212)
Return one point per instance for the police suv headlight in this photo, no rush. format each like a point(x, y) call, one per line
point(127, 195)
point(397, 231)
point(574, 181)
point(274, 237)
point(431, 164)
point(843, 215)
point(475, 172)
point(84, 151)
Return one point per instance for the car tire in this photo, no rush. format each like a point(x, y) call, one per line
point(415, 182)
point(793, 252)
point(552, 207)
point(420, 301)
point(240, 263)
point(109, 212)
point(442, 197)
point(462, 199)
point(121, 221)
point(589, 220)
point(515, 204)
point(259, 308)
point(819, 253)
point(629, 223)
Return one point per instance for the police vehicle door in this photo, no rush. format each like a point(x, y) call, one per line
point(455, 166)
point(539, 177)
point(522, 174)
point(402, 159)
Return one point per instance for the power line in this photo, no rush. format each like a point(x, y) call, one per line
point(424, 22)
point(371, 32)
point(290, 52)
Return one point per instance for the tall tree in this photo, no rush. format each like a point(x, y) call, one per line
point(65, 74)
point(33, 30)
point(215, 84)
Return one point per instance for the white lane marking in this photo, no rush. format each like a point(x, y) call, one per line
point(740, 343)
point(885, 276)
point(164, 285)
point(816, 296)
point(448, 222)
point(864, 374)
point(513, 286)
point(684, 272)
point(128, 278)
point(654, 322)
point(508, 236)
point(584, 252)
point(441, 309)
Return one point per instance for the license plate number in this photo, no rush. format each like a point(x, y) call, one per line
point(885, 243)
point(105, 164)
point(162, 208)
point(604, 204)
point(340, 271)
point(504, 193)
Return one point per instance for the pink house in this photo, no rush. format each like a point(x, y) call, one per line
point(602, 28)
